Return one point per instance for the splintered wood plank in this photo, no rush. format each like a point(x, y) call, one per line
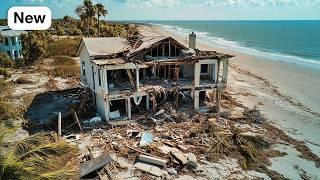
point(93, 165)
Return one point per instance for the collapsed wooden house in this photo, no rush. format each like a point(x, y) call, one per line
point(118, 70)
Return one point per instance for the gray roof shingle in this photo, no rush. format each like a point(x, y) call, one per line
point(105, 46)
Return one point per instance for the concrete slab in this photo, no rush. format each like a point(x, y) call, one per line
point(153, 160)
point(153, 170)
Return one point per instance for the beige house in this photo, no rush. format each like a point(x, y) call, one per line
point(123, 73)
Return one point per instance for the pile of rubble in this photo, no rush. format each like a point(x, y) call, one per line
point(173, 144)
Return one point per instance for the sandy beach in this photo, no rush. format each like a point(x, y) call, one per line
point(287, 94)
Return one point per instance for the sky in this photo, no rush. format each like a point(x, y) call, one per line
point(184, 9)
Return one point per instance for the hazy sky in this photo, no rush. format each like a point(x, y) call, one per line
point(185, 9)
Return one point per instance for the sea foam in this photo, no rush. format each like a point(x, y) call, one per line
point(206, 38)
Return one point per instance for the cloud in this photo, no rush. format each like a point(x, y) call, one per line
point(151, 3)
point(261, 3)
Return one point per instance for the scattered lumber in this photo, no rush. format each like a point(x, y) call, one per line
point(93, 165)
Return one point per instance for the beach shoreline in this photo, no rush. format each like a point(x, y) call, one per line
point(289, 104)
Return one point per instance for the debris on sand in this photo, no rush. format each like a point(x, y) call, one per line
point(254, 115)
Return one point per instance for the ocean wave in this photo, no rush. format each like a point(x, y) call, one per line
point(240, 47)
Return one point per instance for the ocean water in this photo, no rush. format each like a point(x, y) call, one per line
point(290, 41)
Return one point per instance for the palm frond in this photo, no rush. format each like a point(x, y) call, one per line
point(59, 174)
point(45, 151)
point(26, 144)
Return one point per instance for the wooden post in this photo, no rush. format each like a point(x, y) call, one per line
point(177, 97)
point(75, 116)
point(154, 101)
point(165, 71)
point(169, 71)
point(177, 71)
point(196, 99)
point(59, 124)
point(218, 100)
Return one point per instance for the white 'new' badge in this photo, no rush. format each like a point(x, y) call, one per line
point(29, 18)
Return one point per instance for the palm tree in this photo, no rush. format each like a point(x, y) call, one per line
point(80, 12)
point(36, 157)
point(101, 11)
point(86, 12)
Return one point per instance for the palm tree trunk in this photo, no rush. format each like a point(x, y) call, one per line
point(98, 25)
point(88, 24)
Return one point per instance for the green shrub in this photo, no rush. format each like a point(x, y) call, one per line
point(76, 32)
point(19, 63)
point(5, 60)
point(63, 61)
point(64, 47)
point(66, 71)
point(8, 110)
point(64, 67)
point(35, 45)
point(5, 72)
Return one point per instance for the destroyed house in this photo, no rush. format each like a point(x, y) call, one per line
point(121, 74)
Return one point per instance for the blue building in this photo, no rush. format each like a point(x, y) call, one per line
point(11, 43)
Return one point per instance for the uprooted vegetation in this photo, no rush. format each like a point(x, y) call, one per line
point(244, 136)
point(9, 111)
point(39, 156)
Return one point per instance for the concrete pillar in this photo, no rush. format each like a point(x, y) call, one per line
point(59, 124)
point(129, 108)
point(196, 96)
point(107, 106)
point(225, 71)
point(213, 97)
point(106, 82)
point(197, 69)
point(192, 40)
point(147, 102)
point(137, 79)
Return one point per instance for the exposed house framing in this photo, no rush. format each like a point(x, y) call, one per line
point(116, 71)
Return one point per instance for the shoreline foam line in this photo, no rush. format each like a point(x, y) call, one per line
point(236, 46)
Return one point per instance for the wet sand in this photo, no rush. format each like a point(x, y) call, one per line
point(287, 94)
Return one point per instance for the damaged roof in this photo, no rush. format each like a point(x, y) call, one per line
point(102, 62)
point(116, 50)
point(147, 42)
point(104, 46)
